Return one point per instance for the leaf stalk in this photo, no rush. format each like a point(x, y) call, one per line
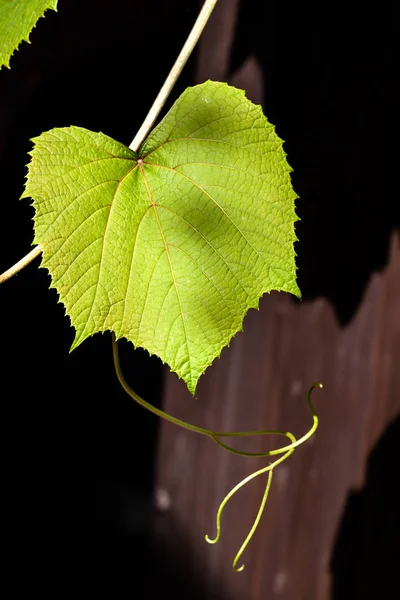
point(173, 75)
point(21, 264)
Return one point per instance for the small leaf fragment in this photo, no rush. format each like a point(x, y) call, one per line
point(17, 19)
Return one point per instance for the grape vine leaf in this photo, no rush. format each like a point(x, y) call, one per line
point(17, 19)
point(168, 247)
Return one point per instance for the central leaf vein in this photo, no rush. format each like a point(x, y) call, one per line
point(169, 259)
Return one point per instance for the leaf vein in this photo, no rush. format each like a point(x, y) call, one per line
point(169, 260)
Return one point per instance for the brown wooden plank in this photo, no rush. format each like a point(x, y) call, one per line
point(261, 382)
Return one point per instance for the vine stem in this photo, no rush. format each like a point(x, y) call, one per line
point(152, 115)
point(215, 435)
point(21, 264)
point(173, 75)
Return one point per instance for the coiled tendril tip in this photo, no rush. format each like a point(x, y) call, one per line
point(210, 541)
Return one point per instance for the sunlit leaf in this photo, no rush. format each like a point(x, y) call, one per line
point(171, 246)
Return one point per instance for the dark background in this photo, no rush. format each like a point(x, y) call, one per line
point(78, 455)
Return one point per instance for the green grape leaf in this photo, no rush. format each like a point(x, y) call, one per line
point(168, 247)
point(17, 19)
